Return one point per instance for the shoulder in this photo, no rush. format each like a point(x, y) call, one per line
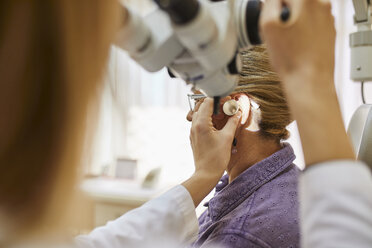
point(267, 218)
point(274, 215)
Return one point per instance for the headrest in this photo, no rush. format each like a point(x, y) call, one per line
point(360, 133)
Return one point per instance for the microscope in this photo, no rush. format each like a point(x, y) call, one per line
point(197, 41)
point(360, 126)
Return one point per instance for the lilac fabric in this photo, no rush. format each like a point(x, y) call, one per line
point(258, 209)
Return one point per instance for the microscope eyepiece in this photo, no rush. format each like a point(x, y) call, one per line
point(252, 16)
point(247, 16)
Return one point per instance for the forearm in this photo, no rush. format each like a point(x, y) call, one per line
point(210, 160)
point(315, 107)
point(200, 185)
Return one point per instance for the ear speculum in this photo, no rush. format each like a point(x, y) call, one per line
point(230, 107)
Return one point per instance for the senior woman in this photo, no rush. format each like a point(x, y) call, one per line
point(255, 204)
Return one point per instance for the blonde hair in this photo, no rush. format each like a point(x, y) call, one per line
point(52, 55)
point(261, 83)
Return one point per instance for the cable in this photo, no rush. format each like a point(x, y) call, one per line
point(362, 92)
point(216, 104)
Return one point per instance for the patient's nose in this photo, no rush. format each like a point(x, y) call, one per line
point(196, 108)
point(189, 115)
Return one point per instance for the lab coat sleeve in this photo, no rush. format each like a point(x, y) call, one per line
point(166, 221)
point(336, 205)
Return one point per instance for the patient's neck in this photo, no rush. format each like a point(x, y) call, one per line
point(251, 148)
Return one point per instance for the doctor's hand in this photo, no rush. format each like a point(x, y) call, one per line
point(305, 43)
point(302, 51)
point(211, 149)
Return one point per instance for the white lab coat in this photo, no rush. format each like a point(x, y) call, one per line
point(168, 221)
point(336, 205)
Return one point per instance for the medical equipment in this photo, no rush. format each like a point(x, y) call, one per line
point(230, 107)
point(360, 127)
point(360, 133)
point(198, 41)
point(361, 42)
point(193, 99)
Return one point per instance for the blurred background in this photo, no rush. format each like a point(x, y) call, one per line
point(143, 129)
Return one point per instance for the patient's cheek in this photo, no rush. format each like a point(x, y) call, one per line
point(219, 116)
point(219, 123)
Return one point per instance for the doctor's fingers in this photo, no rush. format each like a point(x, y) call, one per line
point(202, 119)
point(294, 40)
point(271, 13)
point(191, 113)
point(196, 108)
point(232, 124)
point(205, 109)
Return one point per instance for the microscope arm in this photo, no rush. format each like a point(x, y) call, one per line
point(361, 10)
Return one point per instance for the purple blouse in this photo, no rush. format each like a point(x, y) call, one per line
point(258, 209)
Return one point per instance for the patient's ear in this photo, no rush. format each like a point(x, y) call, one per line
point(251, 117)
point(245, 107)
